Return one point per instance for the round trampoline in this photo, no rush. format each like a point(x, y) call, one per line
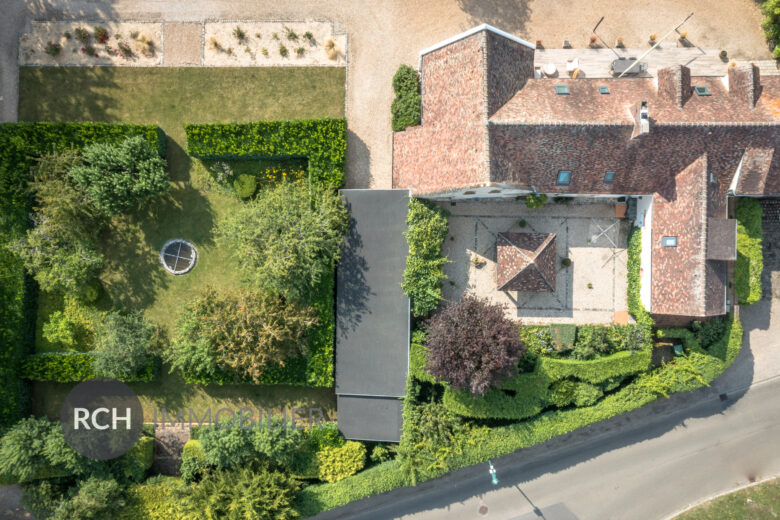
point(178, 256)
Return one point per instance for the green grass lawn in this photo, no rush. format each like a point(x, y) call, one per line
point(170, 98)
point(764, 505)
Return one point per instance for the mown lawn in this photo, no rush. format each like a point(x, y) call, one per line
point(170, 98)
point(759, 502)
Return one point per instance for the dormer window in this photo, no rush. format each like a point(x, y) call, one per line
point(702, 91)
point(609, 177)
point(562, 90)
point(603, 89)
point(564, 178)
point(669, 241)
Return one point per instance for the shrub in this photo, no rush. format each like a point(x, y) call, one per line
point(288, 238)
point(282, 50)
point(22, 450)
point(566, 262)
point(94, 498)
point(407, 105)
point(72, 328)
point(406, 80)
point(17, 320)
point(155, 499)
point(406, 111)
point(591, 340)
point(597, 370)
point(423, 273)
point(299, 51)
point(380, 454)
point(562, 393)
point(119, 177)
point(125, 50)
point(82, 35)
point(309, 36)
point(53, 49)
point(472, 345)
point(235, 495)
point(69, 367)
point(239, 34)
point(339, 463)
point(535, 200)
point(709, 332)
point(750, 260)
point(101, 34)
point(124, 343)
point(42, 497)
point(322, 141)
point(586, 394)
point(193, 460)
point(237, 333)
point(245, 185)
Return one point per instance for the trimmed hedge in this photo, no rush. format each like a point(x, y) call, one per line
point(407, 105)
point(620, 364)
point(423, 274)
point(69, 367)
point(750, 253)
point(633, 264)
point(322, 141)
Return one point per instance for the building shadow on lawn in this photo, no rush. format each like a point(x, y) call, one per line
point(566, 451)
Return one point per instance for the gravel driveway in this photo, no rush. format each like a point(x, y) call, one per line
point(383, 35)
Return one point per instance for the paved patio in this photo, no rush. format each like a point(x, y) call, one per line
point(591, 290)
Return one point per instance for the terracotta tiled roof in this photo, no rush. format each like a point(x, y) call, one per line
point(526, 262)
point(488, 122)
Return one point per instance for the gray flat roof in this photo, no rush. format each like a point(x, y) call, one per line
point(370, 418)
point(372, 312)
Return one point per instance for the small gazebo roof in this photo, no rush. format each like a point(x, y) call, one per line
point(526, 262)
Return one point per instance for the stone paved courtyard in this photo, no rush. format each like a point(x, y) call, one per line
point(591, 290)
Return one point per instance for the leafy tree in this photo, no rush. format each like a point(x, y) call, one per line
point(287, 238)
point(72, 328)
point(22, 449)
point(60, 250)
point(240, 332)
point(124, 342)
point(242, 494)
point(472, 345)
point(43, 497)
point(407, 105)
point(94, 498)
point(709, 332)
point(117, 177)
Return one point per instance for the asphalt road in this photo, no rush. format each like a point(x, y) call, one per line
point(646, 464)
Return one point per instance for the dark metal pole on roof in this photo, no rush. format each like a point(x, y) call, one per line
point(636, 62)
point(602, 40)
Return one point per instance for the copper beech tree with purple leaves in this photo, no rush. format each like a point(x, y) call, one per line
point(472, 345)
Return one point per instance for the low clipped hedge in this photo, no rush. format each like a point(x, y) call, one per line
point(70, 367)
point(423, 273)
point(750, 252)
point(620, 364)
point(322, 141)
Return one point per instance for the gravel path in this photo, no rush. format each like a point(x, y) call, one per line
point(385, 34)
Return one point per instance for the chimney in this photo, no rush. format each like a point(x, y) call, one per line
point(674, 84)
point(641, 120)
point(744, 82)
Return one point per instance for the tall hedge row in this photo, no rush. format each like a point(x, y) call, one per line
point(633, 265)
point(20, 143)
point(750, 251)
point(620, 364)
point(322, 141)
point(69, 367)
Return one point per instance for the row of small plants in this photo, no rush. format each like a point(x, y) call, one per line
point(242, 38)
point(100, 36)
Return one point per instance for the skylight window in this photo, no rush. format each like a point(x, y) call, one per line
point(604, 89)
point(564, 178)
point(702, 91)
point(562, 90)
point(609, 177)
point(669, 241)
